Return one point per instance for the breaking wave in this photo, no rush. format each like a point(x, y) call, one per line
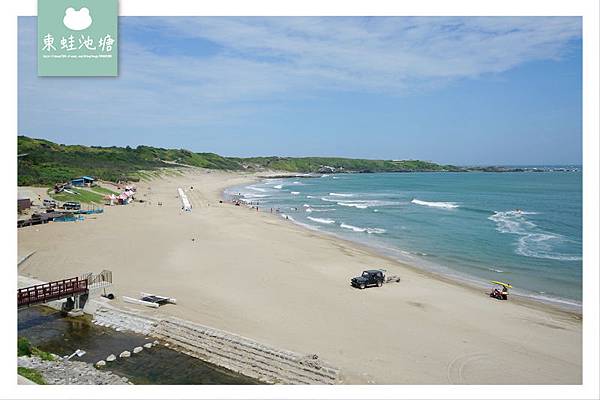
point(356, 205)
point(322, 220)
point(436, 204)
point(342, 194)
point(532, 242)
point(359, 229)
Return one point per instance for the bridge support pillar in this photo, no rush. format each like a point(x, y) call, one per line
point(74, 305)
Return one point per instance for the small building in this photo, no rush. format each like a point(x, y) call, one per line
point(23, 204)
point(83, 181)
point(24, 200)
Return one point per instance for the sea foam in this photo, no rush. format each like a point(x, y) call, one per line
point(532, 242)
point(322, 220)
point(257, 189)
point(436, 204)
point(359, 229)
point(355, 205)
point(342, 194)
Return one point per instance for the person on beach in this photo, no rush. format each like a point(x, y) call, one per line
point(504, 293)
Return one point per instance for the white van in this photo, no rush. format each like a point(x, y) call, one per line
point(49, 203)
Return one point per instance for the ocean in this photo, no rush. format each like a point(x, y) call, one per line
point(524, 228)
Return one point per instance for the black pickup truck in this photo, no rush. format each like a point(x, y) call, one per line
point(372, 277)
point(72, 205)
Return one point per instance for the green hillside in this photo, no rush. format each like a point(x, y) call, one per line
point(323, 164)
point(42, 162)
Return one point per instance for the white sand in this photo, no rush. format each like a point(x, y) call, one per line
point(259, 276)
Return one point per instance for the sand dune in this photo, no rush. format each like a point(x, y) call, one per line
point(264, 278)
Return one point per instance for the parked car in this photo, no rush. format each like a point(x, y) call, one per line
point(72, 205)
point(49, 203)
point(372, 277)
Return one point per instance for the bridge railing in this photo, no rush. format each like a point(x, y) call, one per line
point(50, 291)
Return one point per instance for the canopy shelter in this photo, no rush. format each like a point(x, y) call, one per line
point(83, 181)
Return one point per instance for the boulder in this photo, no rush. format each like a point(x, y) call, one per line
point(125, 354)
point(101, 363)
point(110, 358)
point(137, 350)
point(148, 345)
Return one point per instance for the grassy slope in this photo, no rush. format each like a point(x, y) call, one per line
point(103, 191)
point(82, 196)
point(31, 374)
point(46, 163)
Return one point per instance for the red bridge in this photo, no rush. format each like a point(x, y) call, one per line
point(50, 291)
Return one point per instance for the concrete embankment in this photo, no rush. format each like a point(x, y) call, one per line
point(236, 353)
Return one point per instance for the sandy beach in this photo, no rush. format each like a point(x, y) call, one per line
point(257, 275)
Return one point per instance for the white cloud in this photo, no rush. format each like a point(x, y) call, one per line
point(393, 55)
point(258, 62)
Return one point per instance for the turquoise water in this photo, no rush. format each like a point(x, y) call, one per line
point(524, 228)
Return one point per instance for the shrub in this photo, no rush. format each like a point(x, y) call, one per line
point(23, 347)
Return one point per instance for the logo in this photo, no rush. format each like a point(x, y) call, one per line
point(77, 38)
point(77, 20)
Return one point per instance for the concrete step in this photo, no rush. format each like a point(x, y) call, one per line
point(242, 362)
point(262, 354)
point(234, 352)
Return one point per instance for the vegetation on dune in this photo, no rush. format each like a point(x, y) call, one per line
point(103, 190)
point(314, 164)
point(42, 162)
point(81, 196)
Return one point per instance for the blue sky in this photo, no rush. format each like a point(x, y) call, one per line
point(466, 90)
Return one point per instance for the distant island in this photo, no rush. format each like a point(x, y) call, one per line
point(42, 162)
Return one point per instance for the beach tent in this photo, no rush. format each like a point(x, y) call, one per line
point(110, 199)
point(123, 198)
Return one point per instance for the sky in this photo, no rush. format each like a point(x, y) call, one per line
point(460, 90)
